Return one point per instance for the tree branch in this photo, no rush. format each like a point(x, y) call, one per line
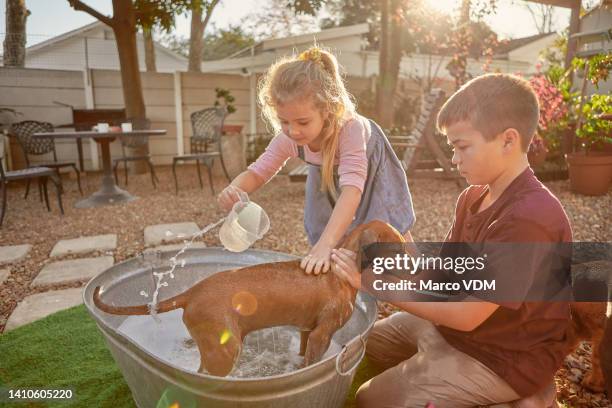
point(80, 6)
point(209, 11)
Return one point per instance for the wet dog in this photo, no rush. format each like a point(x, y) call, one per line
point(220, 310)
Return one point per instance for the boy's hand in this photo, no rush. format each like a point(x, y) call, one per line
point(229, 196)
point(318, 260)
point(344, 265)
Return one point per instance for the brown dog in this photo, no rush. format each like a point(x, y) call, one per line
point(589, 322)
point(222, 309)
point(605, 348)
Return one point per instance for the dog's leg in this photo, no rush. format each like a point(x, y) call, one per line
point(303, 341)
point(594, 380)
point(319, 338)
point(318, 342)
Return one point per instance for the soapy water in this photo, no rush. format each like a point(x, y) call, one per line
point(266, 352)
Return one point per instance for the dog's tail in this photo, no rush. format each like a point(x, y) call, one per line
point(167, 305)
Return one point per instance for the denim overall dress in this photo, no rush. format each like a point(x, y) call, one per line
point(385, 194)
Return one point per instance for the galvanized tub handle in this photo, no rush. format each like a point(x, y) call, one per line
point(343, 352)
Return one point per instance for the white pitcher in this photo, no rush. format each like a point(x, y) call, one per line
point(246, 223)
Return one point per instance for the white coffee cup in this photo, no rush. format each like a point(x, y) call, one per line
point(103, 127)
point(126, 127)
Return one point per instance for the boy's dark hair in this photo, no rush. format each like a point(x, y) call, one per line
point(493, 103)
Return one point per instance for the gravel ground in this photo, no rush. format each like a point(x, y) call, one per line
point(27, 221)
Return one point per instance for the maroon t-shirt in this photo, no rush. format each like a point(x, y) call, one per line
point(523, 342)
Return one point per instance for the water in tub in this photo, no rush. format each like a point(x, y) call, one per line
point(265, 352)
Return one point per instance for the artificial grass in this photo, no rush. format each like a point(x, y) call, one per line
point(66, 350)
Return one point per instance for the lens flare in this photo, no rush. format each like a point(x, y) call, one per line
point(225, 336)
point(245, 303)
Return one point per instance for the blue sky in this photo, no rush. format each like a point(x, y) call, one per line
point(53, 17)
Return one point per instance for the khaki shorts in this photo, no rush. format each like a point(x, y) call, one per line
point(421, 367)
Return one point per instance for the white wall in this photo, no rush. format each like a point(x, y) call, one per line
point(32, 92)
point(366, 64)
point(600, 19)
point(532, 52)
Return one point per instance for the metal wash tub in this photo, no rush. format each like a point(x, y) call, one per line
point(157, 382)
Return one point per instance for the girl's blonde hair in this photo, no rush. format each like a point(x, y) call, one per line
point(313, 74)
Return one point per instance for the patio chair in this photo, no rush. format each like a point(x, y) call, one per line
point(133, 141)
point(23, 131)
point(42, 174)
point(423, 141)
point(207, 127)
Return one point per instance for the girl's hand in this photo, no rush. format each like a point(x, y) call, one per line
point(344, 265)
point(229, 196)
point(318, 260)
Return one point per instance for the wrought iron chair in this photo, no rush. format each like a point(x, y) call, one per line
point(23, 131)
point(42, 174)
point(207, 127)
point(135, 141)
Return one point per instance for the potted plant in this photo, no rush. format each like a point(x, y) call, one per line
point(226, 99)
point(590, 169)
point(537, 151)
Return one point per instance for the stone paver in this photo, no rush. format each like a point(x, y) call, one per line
point(4, 273)
point(158, 234)
point(174, 247)
point(74, 269)
point(14, 253)
point(84, 245)
point(40, 305)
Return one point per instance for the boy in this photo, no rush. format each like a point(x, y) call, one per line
point(464, 354)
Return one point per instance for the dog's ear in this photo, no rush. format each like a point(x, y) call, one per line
point(368, 236)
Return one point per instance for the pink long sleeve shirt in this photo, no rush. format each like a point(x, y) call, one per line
point(350, 158)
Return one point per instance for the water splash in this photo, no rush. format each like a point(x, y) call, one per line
point(174, 262)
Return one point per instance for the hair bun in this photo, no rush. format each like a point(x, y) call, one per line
point(312, 54)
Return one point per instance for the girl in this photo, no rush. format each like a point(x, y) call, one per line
point(353, 177)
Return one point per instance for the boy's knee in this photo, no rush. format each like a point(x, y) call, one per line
point(374, 394)
point(365, 397)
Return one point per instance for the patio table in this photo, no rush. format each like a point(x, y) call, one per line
point(108, 193)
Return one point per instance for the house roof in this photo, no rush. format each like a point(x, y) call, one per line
point(327, 34)
point(62, 37)
point(82, 30)
point(511, 45)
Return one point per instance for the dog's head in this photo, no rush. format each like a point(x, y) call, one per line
point(370, 233)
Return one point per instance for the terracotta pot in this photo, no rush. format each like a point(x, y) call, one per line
point(232, 129)
point(589, 174)
point(537, 158)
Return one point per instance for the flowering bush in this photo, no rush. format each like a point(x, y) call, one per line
point(554, 114)
point(552, 104)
